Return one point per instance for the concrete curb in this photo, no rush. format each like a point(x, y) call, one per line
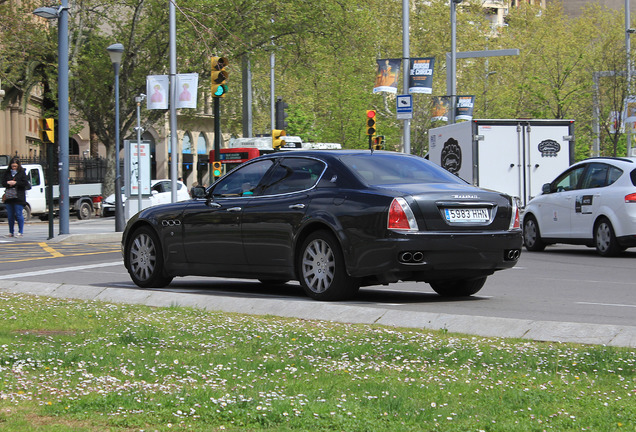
point(551, 331)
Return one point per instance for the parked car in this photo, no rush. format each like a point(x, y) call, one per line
point(161, 193)
point(334, 221)
point(592, 203)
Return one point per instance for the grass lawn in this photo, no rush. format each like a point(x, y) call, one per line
point(68, 365)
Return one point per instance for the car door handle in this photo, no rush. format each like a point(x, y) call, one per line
point(213, 204)
point(234, 209)
point(297, 206)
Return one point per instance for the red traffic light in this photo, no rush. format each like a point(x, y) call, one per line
point(371, 113)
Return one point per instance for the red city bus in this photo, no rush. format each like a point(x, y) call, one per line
point(233, 157)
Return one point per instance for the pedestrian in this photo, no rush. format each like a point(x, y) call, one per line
point(16, 183)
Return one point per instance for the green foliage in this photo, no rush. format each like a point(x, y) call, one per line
point(325, 53)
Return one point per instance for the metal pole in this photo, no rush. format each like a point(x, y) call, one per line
point(628, 32)
point(138, 99)
point(247, 96)
point(453, 72)
point(217, 130)
point(272, 88)
point(63, 116)
point(406, 54)
point(119, 210)
point(173, 98)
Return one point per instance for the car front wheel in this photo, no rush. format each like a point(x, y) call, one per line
point(459, 288)
point(532, 236)
point(321, 269)
point(605, 239)
point(145, 260)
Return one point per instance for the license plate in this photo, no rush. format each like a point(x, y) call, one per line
point(467, 215)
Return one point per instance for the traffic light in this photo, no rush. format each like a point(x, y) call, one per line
point(277, 141)
point(47, 130)
point(219, 76)
point(378, 142)
point(217, 169)
point(371, 122)
point(281, 115)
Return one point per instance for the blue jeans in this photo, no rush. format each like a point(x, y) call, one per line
point(14, 211)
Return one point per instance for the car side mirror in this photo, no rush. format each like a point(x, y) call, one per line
point(198, 192)
point(546, 188)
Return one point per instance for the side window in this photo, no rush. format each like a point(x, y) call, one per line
point(595, 176)
point(613, 174)
point(569, 180)
point(243, 181)
point(34, 177)
point(293, 175)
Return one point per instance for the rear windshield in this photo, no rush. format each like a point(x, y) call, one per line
point(384, 169)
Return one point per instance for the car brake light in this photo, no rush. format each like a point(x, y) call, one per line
point(514, 221)
point(401, 216)
point(631, 198)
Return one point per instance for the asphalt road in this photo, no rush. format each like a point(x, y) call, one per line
point(567, 293)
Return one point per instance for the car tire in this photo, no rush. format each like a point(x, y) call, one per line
point(321, 269)
point(144, 259)
point(26, 213)
point(458, 288)
point(532, 235)
point(605, 239)
point(85, 211)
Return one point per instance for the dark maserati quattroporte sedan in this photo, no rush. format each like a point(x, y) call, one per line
point(332, 220)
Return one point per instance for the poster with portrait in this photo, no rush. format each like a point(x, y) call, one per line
point(439, 108)
point(157, 91)
point(630, 114)
point(187, 85)
point(386, 77)
point(464, 107)
point(421, 75)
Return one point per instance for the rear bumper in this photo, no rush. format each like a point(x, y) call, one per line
point(436, 256)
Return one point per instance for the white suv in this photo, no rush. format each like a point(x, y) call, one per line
point(592, 203)
point(161, 193)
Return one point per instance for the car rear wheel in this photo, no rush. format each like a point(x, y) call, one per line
point(145, 260)
point(322, 271)
point(605, 239)
point(459, 288)
point(532, 236)
point(85, 211)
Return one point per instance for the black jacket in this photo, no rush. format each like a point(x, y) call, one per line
point(21, 186)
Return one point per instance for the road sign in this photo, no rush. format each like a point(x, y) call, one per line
point(404, 107)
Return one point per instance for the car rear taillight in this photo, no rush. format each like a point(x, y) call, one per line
point(401, 216)
point(514, 220)
point(631, 198)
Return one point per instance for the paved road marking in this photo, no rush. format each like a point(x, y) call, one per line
point(606, 304)
point(49, 249)
point(59, 270)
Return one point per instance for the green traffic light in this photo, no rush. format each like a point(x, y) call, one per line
point(220, 90)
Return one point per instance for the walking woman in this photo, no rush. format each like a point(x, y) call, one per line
point(16, 183)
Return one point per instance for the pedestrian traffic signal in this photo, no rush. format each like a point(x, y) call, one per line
point(281, 114)
point(277, 141)
point(217, 169)
point(47, 130)
point(371, 122)
point(219, 76)
point(378, 142)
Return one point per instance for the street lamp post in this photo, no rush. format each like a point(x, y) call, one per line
point(116, 51)
point(138, 100)
point(61, 14)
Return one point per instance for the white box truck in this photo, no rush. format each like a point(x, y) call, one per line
point(83, 198)
point(514, 156)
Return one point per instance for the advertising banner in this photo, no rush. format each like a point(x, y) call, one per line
point(157, 87)
point(464, 107)
point(421, 75)
point(439, 109)
point(187, 85)
point(386, 78)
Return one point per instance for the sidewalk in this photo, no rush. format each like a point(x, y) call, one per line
point(80, 231)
